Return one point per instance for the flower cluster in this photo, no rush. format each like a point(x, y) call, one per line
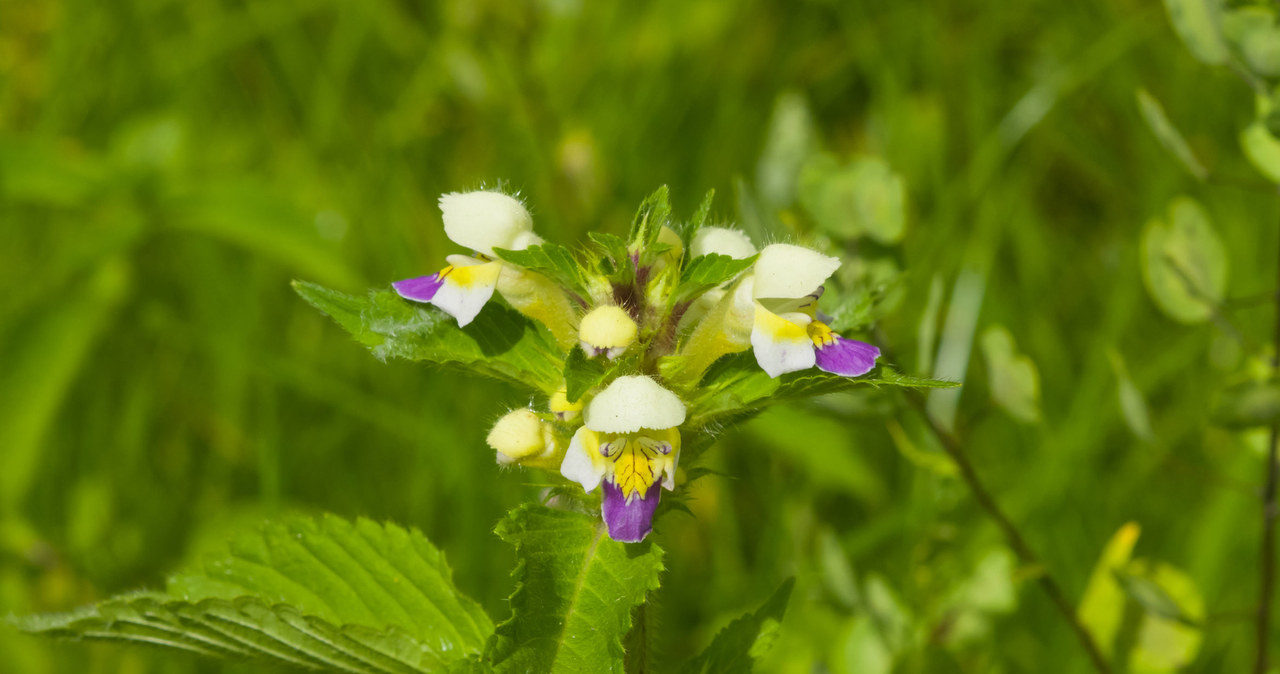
point(654, 312)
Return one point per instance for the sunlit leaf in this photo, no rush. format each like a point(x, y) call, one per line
point(552, 260)
point(735, 386)
point(1170, 635)
point(1253, 31)
point(499, 342)
point(1196, 22)
point(315, 593)
point(1102, 606)
point(575, 591)
point(706, 272)
point(654, 213)
point(1013, 377)
point(1168, 134)
point(1184, 263)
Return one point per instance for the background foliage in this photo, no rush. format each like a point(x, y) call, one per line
point(166, 168)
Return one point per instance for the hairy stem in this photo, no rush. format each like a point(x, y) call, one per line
point(636, 647)
point(1010, 530)
point(1267, 581)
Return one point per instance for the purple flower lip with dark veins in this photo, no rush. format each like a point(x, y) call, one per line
point(629, 522)
point(847, 357)
point(420, 288)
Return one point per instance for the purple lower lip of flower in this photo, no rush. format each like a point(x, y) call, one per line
point(629, 522)
point(419, 289)
point(847, 357)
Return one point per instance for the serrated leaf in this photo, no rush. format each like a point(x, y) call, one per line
point(700, 217)
point(1184, 264)
point(499, 342)
point(653, 214)
point(1196, 22)
point(552, 260)
point(614, 260)
point(736, 387)
point(737, 646)
point(575, 591)
point(706, 272)
point(1013, 377)
point(1168, 135)
point(1102, 606)
point(581, 373)
point(318, 593)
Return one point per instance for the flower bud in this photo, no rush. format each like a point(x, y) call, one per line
point(519, 434)
point(608, 330)
point(562, 408)
point(722, 241)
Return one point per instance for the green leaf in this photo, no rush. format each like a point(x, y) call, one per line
point(1253, 31)
point(552, 260)
point(318, 593)
point(736, 387)
point(700, 218)
point(653, 214)
point(737, 646)
point(1102, 606)
point(1183, 263)
point(581, 374)
point(1132, 404)
point(614, 259)
point(1168, 134)
point(789, 141)
point(863, 197)
point(575, 591)
point(1014, 380)
point(499, 342)
point(1260, 146)
point(706, 272)
point(1247, 405)
point(1196, 22)
point(1170, 634)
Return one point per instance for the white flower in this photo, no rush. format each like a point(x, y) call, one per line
point(722, 241)
point(481, 221)
point(630, 441)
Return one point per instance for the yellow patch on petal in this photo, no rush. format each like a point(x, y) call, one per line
point(821, 334)
point(637, 464)
point(478, 275)
point(777, 327)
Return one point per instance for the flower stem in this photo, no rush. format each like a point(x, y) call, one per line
point(1267, 581)
point(1011, 533)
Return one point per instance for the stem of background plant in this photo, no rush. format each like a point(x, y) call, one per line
point(1011, 533)
point(1266, 585)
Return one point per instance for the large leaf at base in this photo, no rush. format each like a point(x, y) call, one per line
point(735, 387)
point(736, 647)
point(499, 342)
point(575, 591)
point(321, 593)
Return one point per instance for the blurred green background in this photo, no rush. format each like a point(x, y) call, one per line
point(166, 167)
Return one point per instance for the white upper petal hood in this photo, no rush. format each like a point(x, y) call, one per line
point(787, 271)
point(723, 241)
point(483, 221)
point(632, 403)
